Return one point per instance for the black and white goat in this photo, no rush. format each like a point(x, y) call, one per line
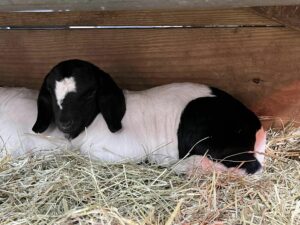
point(160, 125)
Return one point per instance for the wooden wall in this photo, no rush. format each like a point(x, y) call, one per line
point(109, 5)
point(254, 58)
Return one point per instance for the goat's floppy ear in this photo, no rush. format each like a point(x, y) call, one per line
point(44, 110)
point(111, 101)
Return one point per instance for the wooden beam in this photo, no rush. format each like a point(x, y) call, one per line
point(107, 5)
point(286, 15)
point(245, 16)
point(260, 66)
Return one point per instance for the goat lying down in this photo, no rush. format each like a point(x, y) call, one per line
point(79, 105)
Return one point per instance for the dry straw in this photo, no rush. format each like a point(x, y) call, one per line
point(70, 189)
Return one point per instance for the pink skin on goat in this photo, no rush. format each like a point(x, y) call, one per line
point(260, 145)
point(197, 163)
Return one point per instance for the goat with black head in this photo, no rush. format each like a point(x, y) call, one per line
point(72, 95)
point(161, 125)
point(203, 126)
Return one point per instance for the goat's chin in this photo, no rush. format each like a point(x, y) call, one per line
point(72, 135)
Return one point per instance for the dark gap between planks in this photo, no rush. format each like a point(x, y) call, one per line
point(134, 27)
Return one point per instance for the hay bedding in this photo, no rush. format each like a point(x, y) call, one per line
point(70, 189)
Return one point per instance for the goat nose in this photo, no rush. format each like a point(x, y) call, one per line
point(66, 124)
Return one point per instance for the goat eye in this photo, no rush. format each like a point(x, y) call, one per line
point(239, 131)
point(90, 94)
point(49, 90)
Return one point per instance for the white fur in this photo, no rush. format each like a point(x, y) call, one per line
point(149, 129)
point(18, 111)
point(64, 87)
point(149, 126)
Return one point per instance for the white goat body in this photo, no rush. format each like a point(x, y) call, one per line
point(149, 128)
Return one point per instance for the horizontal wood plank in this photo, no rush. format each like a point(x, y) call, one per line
point(17, 5)
point(260, 66)
point(286, 15)
point(197, 18)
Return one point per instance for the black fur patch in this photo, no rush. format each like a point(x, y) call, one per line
point(96, 92)
point(227, 129)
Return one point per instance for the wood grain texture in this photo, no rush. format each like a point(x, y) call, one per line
point(287, 15)
point(75, 5)
point(260, 66)
point(244, 16)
